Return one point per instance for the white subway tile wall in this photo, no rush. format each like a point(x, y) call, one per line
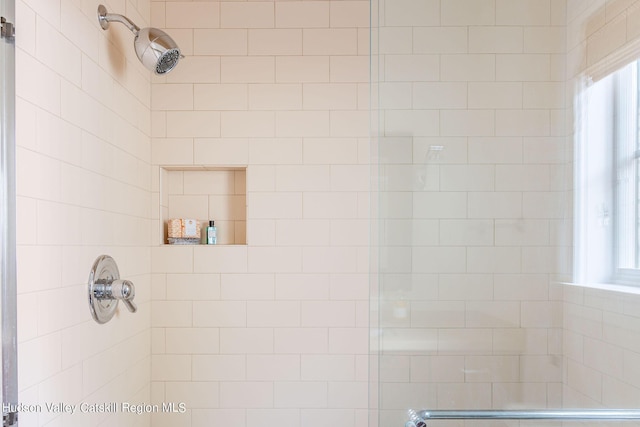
point(472, 207)
point(258, 328)
point(84, 189)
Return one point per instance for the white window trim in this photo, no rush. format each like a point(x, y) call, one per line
point(596, 252)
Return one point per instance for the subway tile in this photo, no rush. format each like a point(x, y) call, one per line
point(236, 124)
point(281, 205)
point(185, 124)
point(275, 97)
point(301, 340)
point(467, 178)
point(302, 124)
point(332, 417)
point(302, 286)
point(241, 69)
point(273, 367)
point(461, 12)
point(412, 68)
point(301, 69)
point(466, 287)
point(464, 341)
point(274, 151)
point(57, 52)
point(496, 95)
point(440, 205)
point(330, 151)
point(220, 42)
point(192, 14)
point(348, 341)
point(467, 122)
point(276, 42)
point(523, 123)
point(275, 260)
point(247, 286)
point(349, 14)
point(495, 205)
point(328, 96)
point(493, 314)
point(413, 122)
point(519, 232)
point(544, 95)
point(247, 394)
point(472, 67)
point(308, 14)
point(327, 368)
point(466, 232)
point(330, 314)
point(227, 151)
point(349, 69)
point(198, 69)
point(195, 394)
point(247, 15)
point(171, 313)
point(496, 40)
point(330, 41)
point(329, 259)
point(349, 232)
point(349, 123)
point(495, 150)
point(219, 367)
point(395, 40)
point(348, 395)
point(220, 97)
point(280, 417)
point(439, 96)
point(523, 178)
point(526, 67)
point(440, 259)
point(247, 340)
point(192, 340)
point(305, 232)
point(440, 40)
point(192, 286)
point(412, 13)
point(494, 260)
point(294, 394)
point(170, 367)
point(172, 151)
point(220, 259)
point(523, 12)
point(226, 314)
point(545, 39)
point(172, 96)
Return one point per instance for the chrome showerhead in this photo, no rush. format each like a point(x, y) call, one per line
point(155, 49)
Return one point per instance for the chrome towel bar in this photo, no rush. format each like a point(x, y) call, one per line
point(532, 414)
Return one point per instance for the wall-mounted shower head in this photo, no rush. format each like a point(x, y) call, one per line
point(155, 49)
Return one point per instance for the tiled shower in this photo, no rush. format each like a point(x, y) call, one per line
point(392, 182)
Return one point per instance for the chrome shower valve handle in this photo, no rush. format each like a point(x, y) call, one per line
point(106, 289)
point(122, 290)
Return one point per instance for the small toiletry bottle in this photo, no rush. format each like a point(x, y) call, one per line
point(212, 232)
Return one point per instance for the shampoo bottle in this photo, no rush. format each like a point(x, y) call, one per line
point(212, 236)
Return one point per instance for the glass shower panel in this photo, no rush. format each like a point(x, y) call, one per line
point(472, 212)
point(474, 124)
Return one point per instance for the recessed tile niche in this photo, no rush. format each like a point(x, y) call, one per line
point(206, 193)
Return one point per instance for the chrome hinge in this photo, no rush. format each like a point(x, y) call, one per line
point(9, 419)
point(7, 30)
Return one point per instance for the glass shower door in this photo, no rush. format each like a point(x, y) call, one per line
point(474, 128)
point(8, 309)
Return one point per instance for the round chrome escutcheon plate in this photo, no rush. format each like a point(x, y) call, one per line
point(103, 272)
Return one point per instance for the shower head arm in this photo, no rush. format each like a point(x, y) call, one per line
point(104, 17)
